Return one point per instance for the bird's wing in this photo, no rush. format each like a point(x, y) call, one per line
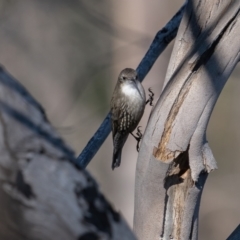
point(120, 118)
point(117, 117)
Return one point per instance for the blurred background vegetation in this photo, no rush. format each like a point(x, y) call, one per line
point(68, 55)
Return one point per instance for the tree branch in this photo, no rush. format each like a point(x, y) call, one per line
point(160, 42)
point(235, 235)
point(42, 194)
point(175, 158)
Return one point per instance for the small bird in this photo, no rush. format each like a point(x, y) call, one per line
point(127, 107)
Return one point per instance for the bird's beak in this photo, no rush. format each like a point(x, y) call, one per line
point(133, 80)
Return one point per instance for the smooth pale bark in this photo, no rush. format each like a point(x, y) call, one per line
point(43, 195)
point(175, 157)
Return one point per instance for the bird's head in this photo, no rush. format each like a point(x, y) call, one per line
point(128, 75)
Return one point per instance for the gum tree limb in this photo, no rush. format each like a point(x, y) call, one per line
point(43, 195)
point(235, 235)
point(175, 158)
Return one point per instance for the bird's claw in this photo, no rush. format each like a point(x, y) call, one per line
point(139, 134)
point(138, 137)
point(150, 99)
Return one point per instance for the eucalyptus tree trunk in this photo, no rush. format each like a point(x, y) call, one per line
point(43, 195)
point(175, 158)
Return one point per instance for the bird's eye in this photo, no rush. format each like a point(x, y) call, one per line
point(136, 77)
point(124, 78)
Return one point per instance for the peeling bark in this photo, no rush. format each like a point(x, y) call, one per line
point(43, 195)
point(175, 158)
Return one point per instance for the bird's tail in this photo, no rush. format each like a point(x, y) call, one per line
point(116, 160)
point(118, 142)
